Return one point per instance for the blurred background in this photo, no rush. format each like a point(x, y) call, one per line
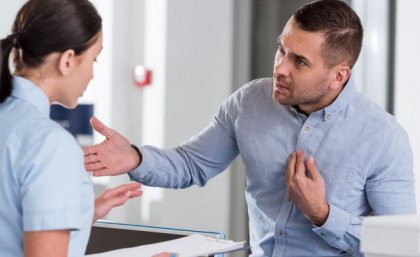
point(194, 54)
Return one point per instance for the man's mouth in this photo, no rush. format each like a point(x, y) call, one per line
point(281, 88)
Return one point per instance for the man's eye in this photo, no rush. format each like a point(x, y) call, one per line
point(299, 61)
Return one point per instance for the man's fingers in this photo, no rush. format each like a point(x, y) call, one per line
point(96, 166)
point(291, 164)
point(88, 150)
point(300, 163)
point(92, 158)
point(101, 128)
point(312, 169)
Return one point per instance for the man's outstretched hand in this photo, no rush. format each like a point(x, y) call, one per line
point(113, 156)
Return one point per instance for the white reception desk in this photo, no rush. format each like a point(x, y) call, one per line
point(386, 236)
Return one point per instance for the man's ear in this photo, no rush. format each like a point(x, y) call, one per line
point(67, 62)
point(341, 74)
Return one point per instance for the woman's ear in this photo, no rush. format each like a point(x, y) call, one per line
point(67, 62)
point(341, 75)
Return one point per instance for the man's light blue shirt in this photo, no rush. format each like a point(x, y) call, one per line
point(43, 183)
point(360, 150)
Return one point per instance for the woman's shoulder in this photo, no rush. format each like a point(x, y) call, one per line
point(28, 127)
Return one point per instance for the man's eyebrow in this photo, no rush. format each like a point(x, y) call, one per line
point(300, 57)
point(295, 55)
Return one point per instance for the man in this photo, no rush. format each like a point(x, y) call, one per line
point(318, 155)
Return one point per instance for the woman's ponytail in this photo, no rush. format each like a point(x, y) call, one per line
point(7, 45)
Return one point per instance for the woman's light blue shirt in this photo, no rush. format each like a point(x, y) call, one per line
point(43, 183)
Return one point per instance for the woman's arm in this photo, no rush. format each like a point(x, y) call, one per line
point(50, 243)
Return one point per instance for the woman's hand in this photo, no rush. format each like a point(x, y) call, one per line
point(114, 197)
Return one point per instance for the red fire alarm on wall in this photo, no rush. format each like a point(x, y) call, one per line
point(142, 76)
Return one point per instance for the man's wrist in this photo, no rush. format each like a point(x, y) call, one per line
point(320, 219)
point(137, 155)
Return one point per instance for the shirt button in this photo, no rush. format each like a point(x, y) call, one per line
point(327, 116)
point(307, 128)
point(323, 234)
point(279, 233)
point(289, 199)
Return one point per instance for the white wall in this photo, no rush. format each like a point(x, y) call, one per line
point(407, 84)
point(8, 11)
point(197, 78)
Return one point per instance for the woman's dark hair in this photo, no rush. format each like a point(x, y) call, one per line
point(43, 27)
point(342, 29)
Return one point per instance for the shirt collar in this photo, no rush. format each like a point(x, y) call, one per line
point(343, 99)
point(28, 91)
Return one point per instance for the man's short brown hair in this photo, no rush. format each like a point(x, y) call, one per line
point(341, 26)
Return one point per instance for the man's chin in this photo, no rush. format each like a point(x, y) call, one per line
point(283, 100)
point(279, 97)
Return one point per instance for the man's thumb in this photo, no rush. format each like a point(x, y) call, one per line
point(101, 128)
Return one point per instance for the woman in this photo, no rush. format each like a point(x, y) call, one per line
point(46, 197)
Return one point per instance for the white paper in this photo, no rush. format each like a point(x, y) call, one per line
point(189, 246)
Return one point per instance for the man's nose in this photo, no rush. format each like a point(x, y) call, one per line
point(281, 66)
